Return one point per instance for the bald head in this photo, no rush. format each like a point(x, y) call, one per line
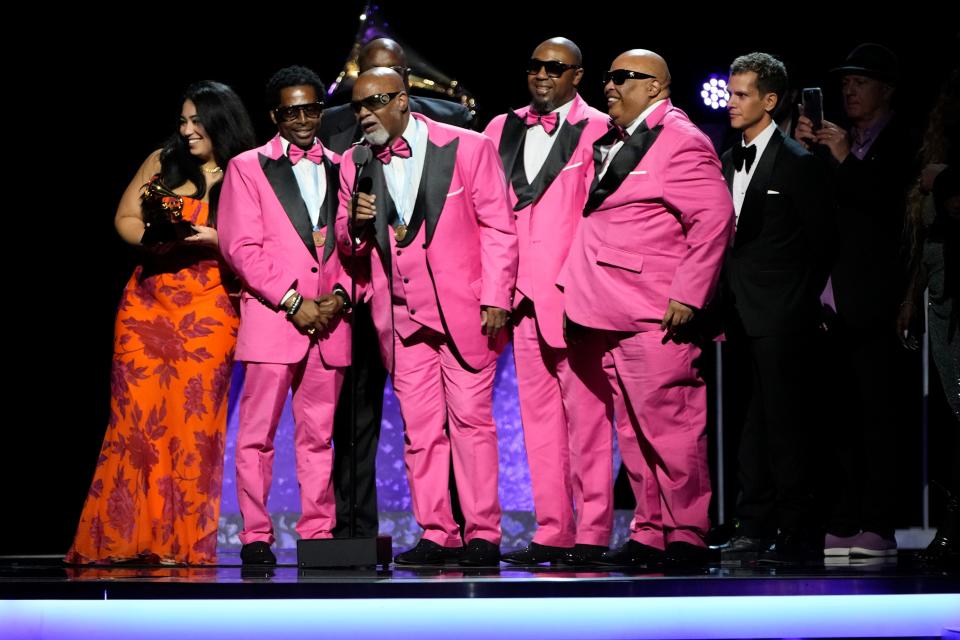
point(573, 51)
point(626, 101)
point(382, 52)
point(646, 61)
point(554, 73)
point(380, 103)
point(377, 80)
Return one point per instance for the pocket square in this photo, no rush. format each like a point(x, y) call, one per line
point(771, 192)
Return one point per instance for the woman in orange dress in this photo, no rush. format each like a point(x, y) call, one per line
point(155, 495)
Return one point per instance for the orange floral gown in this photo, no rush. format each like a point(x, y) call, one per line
point(155, 494)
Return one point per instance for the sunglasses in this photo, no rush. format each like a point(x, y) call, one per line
point(374, 102)
point(619, 76)
point(289, 114)
point(553, 68)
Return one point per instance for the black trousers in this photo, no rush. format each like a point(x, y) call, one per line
point(371, 378)
point(776, 457)
point(865, 435)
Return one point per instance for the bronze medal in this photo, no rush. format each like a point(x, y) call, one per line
point(319, 238)
point(401, 232)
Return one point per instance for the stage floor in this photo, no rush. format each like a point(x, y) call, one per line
point(42, 598)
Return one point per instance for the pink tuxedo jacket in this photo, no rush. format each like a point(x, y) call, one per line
point(654, 228)
point(548, 210)
point(266, 238)
point(463, 218)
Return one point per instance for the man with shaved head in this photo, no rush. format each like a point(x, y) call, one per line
point(436, 223)
point(645, 261)
point(546, 149)
point(338, 130)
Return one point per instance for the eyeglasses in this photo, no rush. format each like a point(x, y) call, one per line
point(553, 68)
point(290, 113)
point(374, 102)
point(619, 76)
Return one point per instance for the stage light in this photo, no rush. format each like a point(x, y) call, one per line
point(714, 92)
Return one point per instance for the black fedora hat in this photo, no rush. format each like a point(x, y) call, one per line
point(871, 60)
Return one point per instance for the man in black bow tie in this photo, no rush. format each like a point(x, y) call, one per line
point(774, 273)
point(547, 149)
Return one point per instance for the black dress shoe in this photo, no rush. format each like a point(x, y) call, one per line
point(944, 549)
point(480, 553)
point(746, 548)
point(796, 548)
point(429, 553)
point(583, 555)
point(536, 554)
point(631, 554)
point(257, 553)
point(684, 555)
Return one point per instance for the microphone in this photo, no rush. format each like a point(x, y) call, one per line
point(361, 155)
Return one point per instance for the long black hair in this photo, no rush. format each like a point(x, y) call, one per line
point(229, 129)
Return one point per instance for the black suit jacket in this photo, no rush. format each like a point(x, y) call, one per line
point(780, 258)
point(868, 279)
point(339, 128)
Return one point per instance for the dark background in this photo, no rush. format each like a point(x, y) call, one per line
point(81, 126)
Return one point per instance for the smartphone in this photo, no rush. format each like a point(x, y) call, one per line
point(813, 106)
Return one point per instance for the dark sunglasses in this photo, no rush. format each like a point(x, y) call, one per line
point(619, 76)
point(291, 113)
point(374, 102)
point(553, 68)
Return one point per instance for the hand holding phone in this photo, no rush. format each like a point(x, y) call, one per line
point(813, 106)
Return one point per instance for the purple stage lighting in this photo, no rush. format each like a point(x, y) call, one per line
point(714, 92)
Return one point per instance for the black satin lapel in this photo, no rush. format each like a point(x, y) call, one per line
point(751, 211)
point(518, 179)
point(279, 174)
point(385, 209)
point(511, 139)
point(328, 210)
point(728, 169)
point(626, 160)
point(435, 182)
point(567, 140)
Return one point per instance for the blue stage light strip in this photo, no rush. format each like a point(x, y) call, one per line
point(485, 618)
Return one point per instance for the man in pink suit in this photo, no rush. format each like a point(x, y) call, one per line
point(277, 211)
point(547, 149)
point(645, 261)
point(435, 220)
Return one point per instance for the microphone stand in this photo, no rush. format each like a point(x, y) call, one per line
point(351, 551)
point(359, 163)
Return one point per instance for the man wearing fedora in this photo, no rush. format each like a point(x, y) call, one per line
point(871, 165)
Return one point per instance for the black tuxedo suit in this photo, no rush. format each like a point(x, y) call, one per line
point(773, 276)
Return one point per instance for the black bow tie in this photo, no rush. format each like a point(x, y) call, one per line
point(743, 154)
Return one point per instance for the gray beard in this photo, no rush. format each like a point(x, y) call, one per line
point(377, 138)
